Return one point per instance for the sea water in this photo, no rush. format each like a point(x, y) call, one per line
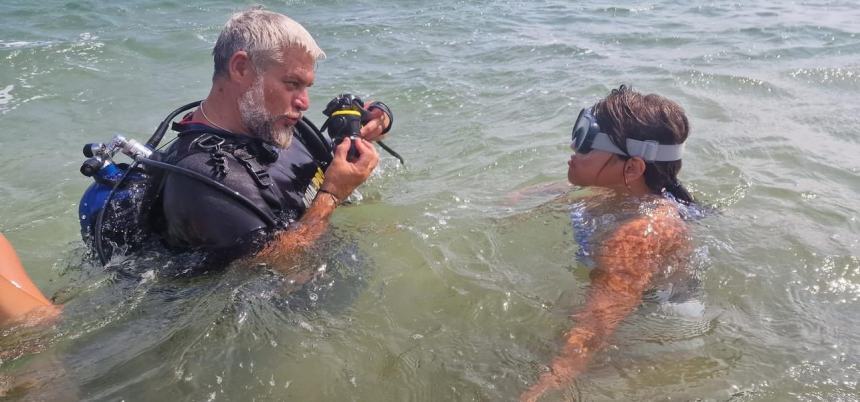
point(448, 281)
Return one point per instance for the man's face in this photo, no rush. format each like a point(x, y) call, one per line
point(274, 103)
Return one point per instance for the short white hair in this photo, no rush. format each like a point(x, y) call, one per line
point(263, 34)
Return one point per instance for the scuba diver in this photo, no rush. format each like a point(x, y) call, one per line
point(247, 173)
point(631, 232)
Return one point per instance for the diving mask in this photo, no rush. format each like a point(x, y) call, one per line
point(586, 136)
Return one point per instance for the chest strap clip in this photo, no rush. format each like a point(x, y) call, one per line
point(211, 143)
point(255, 169)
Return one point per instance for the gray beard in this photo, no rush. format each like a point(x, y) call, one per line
point(259, 122)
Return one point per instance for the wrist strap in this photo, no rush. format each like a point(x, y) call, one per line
point(333, 196)
point(385, 109)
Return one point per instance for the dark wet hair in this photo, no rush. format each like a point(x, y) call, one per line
point(626, 113)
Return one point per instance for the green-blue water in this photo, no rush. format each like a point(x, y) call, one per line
point(447, 288)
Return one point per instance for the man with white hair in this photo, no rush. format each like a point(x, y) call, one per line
point(249, 135)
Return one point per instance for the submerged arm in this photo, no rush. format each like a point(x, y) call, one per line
point(626, 261)
point(286, 245)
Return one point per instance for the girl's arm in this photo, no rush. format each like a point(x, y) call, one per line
point(626, 262)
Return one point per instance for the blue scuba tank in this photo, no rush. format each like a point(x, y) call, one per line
point(95, 196)
point(114, 209)
point(126, 187)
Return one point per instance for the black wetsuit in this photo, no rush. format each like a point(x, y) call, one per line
point(198, 216)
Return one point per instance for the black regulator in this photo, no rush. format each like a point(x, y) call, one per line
point(347, 114)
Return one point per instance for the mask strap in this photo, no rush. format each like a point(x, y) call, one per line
point(653, 151)
point(650, 151)
point(602, 142)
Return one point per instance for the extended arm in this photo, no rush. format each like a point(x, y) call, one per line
point(626, 261)
point(19, 296)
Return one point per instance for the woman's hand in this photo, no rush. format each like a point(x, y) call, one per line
point(563, 370)
point(548, 381)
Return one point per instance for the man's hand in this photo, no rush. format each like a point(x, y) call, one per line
point(342, 176)
point(379, 122)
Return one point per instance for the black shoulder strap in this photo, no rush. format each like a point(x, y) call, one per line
point(269, 190)
point(257, 171)
point(313, 139)
point(310, 136)
point(242, 149)
point(220, 144)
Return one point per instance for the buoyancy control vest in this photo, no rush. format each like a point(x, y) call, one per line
point(121, 210)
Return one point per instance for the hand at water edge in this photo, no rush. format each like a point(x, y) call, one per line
point(562, 372)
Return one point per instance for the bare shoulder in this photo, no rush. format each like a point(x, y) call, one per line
point(646, 238)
